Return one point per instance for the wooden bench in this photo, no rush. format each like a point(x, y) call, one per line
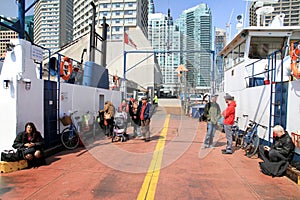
point(12, 166)
point(293, 174)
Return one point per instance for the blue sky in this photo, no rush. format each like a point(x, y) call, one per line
point(221, 9)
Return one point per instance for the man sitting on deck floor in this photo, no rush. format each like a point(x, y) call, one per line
point(277, 157)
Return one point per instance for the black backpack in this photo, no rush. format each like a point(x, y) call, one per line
point(204, 115)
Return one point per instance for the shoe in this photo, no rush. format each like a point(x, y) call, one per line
point(205, 146)
point(147, 140)
point(226, 152)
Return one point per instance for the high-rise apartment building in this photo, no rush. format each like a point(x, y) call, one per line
point(151, 7)
point(165, 36)
point(53, 23)
point(121, 15)
point(218, 73)
point(195, 24)
point(290, 8)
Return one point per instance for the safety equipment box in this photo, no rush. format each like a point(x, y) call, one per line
point(12, 166)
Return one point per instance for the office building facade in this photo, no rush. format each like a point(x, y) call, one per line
point(121, 15)
point(53, 23)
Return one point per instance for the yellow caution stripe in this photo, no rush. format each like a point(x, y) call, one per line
point(150, 182)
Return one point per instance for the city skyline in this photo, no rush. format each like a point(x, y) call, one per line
point(220, 14)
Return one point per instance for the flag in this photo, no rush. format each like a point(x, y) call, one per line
point(128, 40)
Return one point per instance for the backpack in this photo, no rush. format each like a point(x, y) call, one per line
point(205, 113)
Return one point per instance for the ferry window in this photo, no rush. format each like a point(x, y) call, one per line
point(261, 47)
point(228, 61)
point(238, 53)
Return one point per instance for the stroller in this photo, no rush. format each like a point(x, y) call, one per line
point(120, 127)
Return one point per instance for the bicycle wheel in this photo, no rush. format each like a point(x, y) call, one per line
point(70, 138)
point(253, 145)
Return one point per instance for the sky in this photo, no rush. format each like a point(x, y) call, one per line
point(221, 9)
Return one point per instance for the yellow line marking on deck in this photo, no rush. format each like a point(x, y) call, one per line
point(150, 182)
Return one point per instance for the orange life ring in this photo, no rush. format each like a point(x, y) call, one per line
point(294, 53)
point(65, 73)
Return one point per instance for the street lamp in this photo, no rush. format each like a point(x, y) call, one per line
point(182, 69)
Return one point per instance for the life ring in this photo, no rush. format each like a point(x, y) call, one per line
point(65, 73)
point(294, 53)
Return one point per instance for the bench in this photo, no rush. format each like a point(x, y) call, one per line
point(293, 174)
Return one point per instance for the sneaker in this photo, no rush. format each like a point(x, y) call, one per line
point(226, 152)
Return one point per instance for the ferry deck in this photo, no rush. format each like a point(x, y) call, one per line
point(171, 166)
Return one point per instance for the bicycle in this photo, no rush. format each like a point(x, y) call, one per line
point(237, 133)
point(70, 135)
point(251, 139)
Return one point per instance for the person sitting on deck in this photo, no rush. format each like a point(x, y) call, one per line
point(30, 144)
point(277, 157)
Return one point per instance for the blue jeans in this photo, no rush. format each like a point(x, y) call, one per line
point(228, 133)
point(211, 130)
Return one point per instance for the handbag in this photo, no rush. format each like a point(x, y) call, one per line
point(10, 156)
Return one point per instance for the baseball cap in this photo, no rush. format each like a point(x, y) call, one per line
point(228, 97)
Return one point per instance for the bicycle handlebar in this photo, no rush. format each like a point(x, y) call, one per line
point(265, 127)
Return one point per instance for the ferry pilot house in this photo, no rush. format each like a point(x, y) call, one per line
point(254, 49)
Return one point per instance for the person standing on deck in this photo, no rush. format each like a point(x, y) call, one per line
point(229, 116)
point(145, 115)
point(213, 115)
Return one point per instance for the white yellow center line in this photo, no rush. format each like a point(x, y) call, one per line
point(150, 182)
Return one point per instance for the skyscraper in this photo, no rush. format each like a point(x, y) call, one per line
point(53, 23)
point(196, 27)
point(220, 42)
point(151, 7)
point(120, 15)
point(164, 35)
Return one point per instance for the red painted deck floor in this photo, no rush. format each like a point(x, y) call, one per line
point(105, 170)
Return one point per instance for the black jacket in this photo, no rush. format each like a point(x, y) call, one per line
point(284, 145)
point(22, 139)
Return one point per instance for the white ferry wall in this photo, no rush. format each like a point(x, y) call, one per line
point(255, 101)
point(82, 99)
point(19, 106)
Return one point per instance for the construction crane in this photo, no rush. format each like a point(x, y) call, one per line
point(228, 28)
